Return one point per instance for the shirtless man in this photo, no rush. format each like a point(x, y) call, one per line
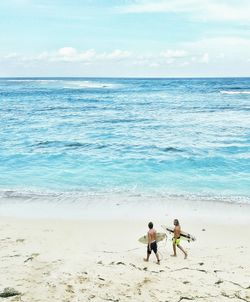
point(152, 244)
point(177, 238)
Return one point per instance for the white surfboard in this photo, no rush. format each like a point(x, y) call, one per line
point(159, 237)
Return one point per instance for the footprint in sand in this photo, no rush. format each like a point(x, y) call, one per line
point(82, 279)
point(70, 289)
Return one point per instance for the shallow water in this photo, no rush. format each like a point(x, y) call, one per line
point(177, 137)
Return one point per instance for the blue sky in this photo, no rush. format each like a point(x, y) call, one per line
point(125, 38)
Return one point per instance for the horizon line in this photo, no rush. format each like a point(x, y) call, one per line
point(126, 77)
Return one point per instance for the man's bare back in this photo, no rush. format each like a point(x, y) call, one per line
point(151, 235)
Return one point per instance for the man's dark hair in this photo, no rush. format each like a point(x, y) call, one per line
point(150, 225)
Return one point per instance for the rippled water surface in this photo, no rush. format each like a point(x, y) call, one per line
point(173, 136)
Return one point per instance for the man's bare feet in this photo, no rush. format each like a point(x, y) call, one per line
point(144, 259)
point(185, 257)
point(173, 255)
point(158, 262)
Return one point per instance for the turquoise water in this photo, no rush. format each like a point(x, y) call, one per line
point(168, 136)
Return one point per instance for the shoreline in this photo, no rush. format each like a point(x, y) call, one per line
point(118, 206)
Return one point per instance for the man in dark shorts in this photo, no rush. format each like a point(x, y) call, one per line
point(152, 244)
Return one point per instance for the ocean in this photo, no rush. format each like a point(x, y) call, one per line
point(173, 137)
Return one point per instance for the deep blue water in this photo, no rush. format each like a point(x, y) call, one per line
point(174, 136)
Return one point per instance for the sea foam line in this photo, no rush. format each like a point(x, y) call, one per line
point(91, 84)
point(234, 92)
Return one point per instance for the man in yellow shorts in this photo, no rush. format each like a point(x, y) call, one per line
point(177, 239)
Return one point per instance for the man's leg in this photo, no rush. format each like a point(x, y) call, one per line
point(184, 252)
point(155, 249)
point(157, 257)
point(148, 254)
point(174, 249)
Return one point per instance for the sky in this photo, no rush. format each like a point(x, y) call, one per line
point(125, 38)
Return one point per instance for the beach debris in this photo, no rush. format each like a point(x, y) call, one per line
point(185, 298)
point(217, 271)
point(101, 279)
point(203, 230)
point(99, 262)
point(29, 259)
point(110, 299)
point(133, 265)
point(9, 292)
point(20, 240)
point(185, 282)
point(120, 263)
point(13, 256)
point(218, 282)
point(235, 283)
point(235, 295)
point(201, 263)
point(192, 269)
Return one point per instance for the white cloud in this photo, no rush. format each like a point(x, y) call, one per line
point(173, 54)
point(223, 46)
point(218, 56)
point(70, 54)
point(202, 9)
point(11, 55)
point(67, 52)
point(205, 58)
point(115, 55)
point(42, 56)
point(87, 55)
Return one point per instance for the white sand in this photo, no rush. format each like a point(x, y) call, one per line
point(101, 260)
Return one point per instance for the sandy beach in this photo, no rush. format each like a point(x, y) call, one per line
point(102, 260)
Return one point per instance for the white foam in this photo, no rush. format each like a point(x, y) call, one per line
point(71, 84)
point(33, 80)
point(235, 92)
point(90, 84)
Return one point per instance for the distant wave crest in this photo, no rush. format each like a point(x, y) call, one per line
point(235, 92)
point(91, 84)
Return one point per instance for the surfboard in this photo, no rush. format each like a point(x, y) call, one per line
point(184, 235)
point(159, 237)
